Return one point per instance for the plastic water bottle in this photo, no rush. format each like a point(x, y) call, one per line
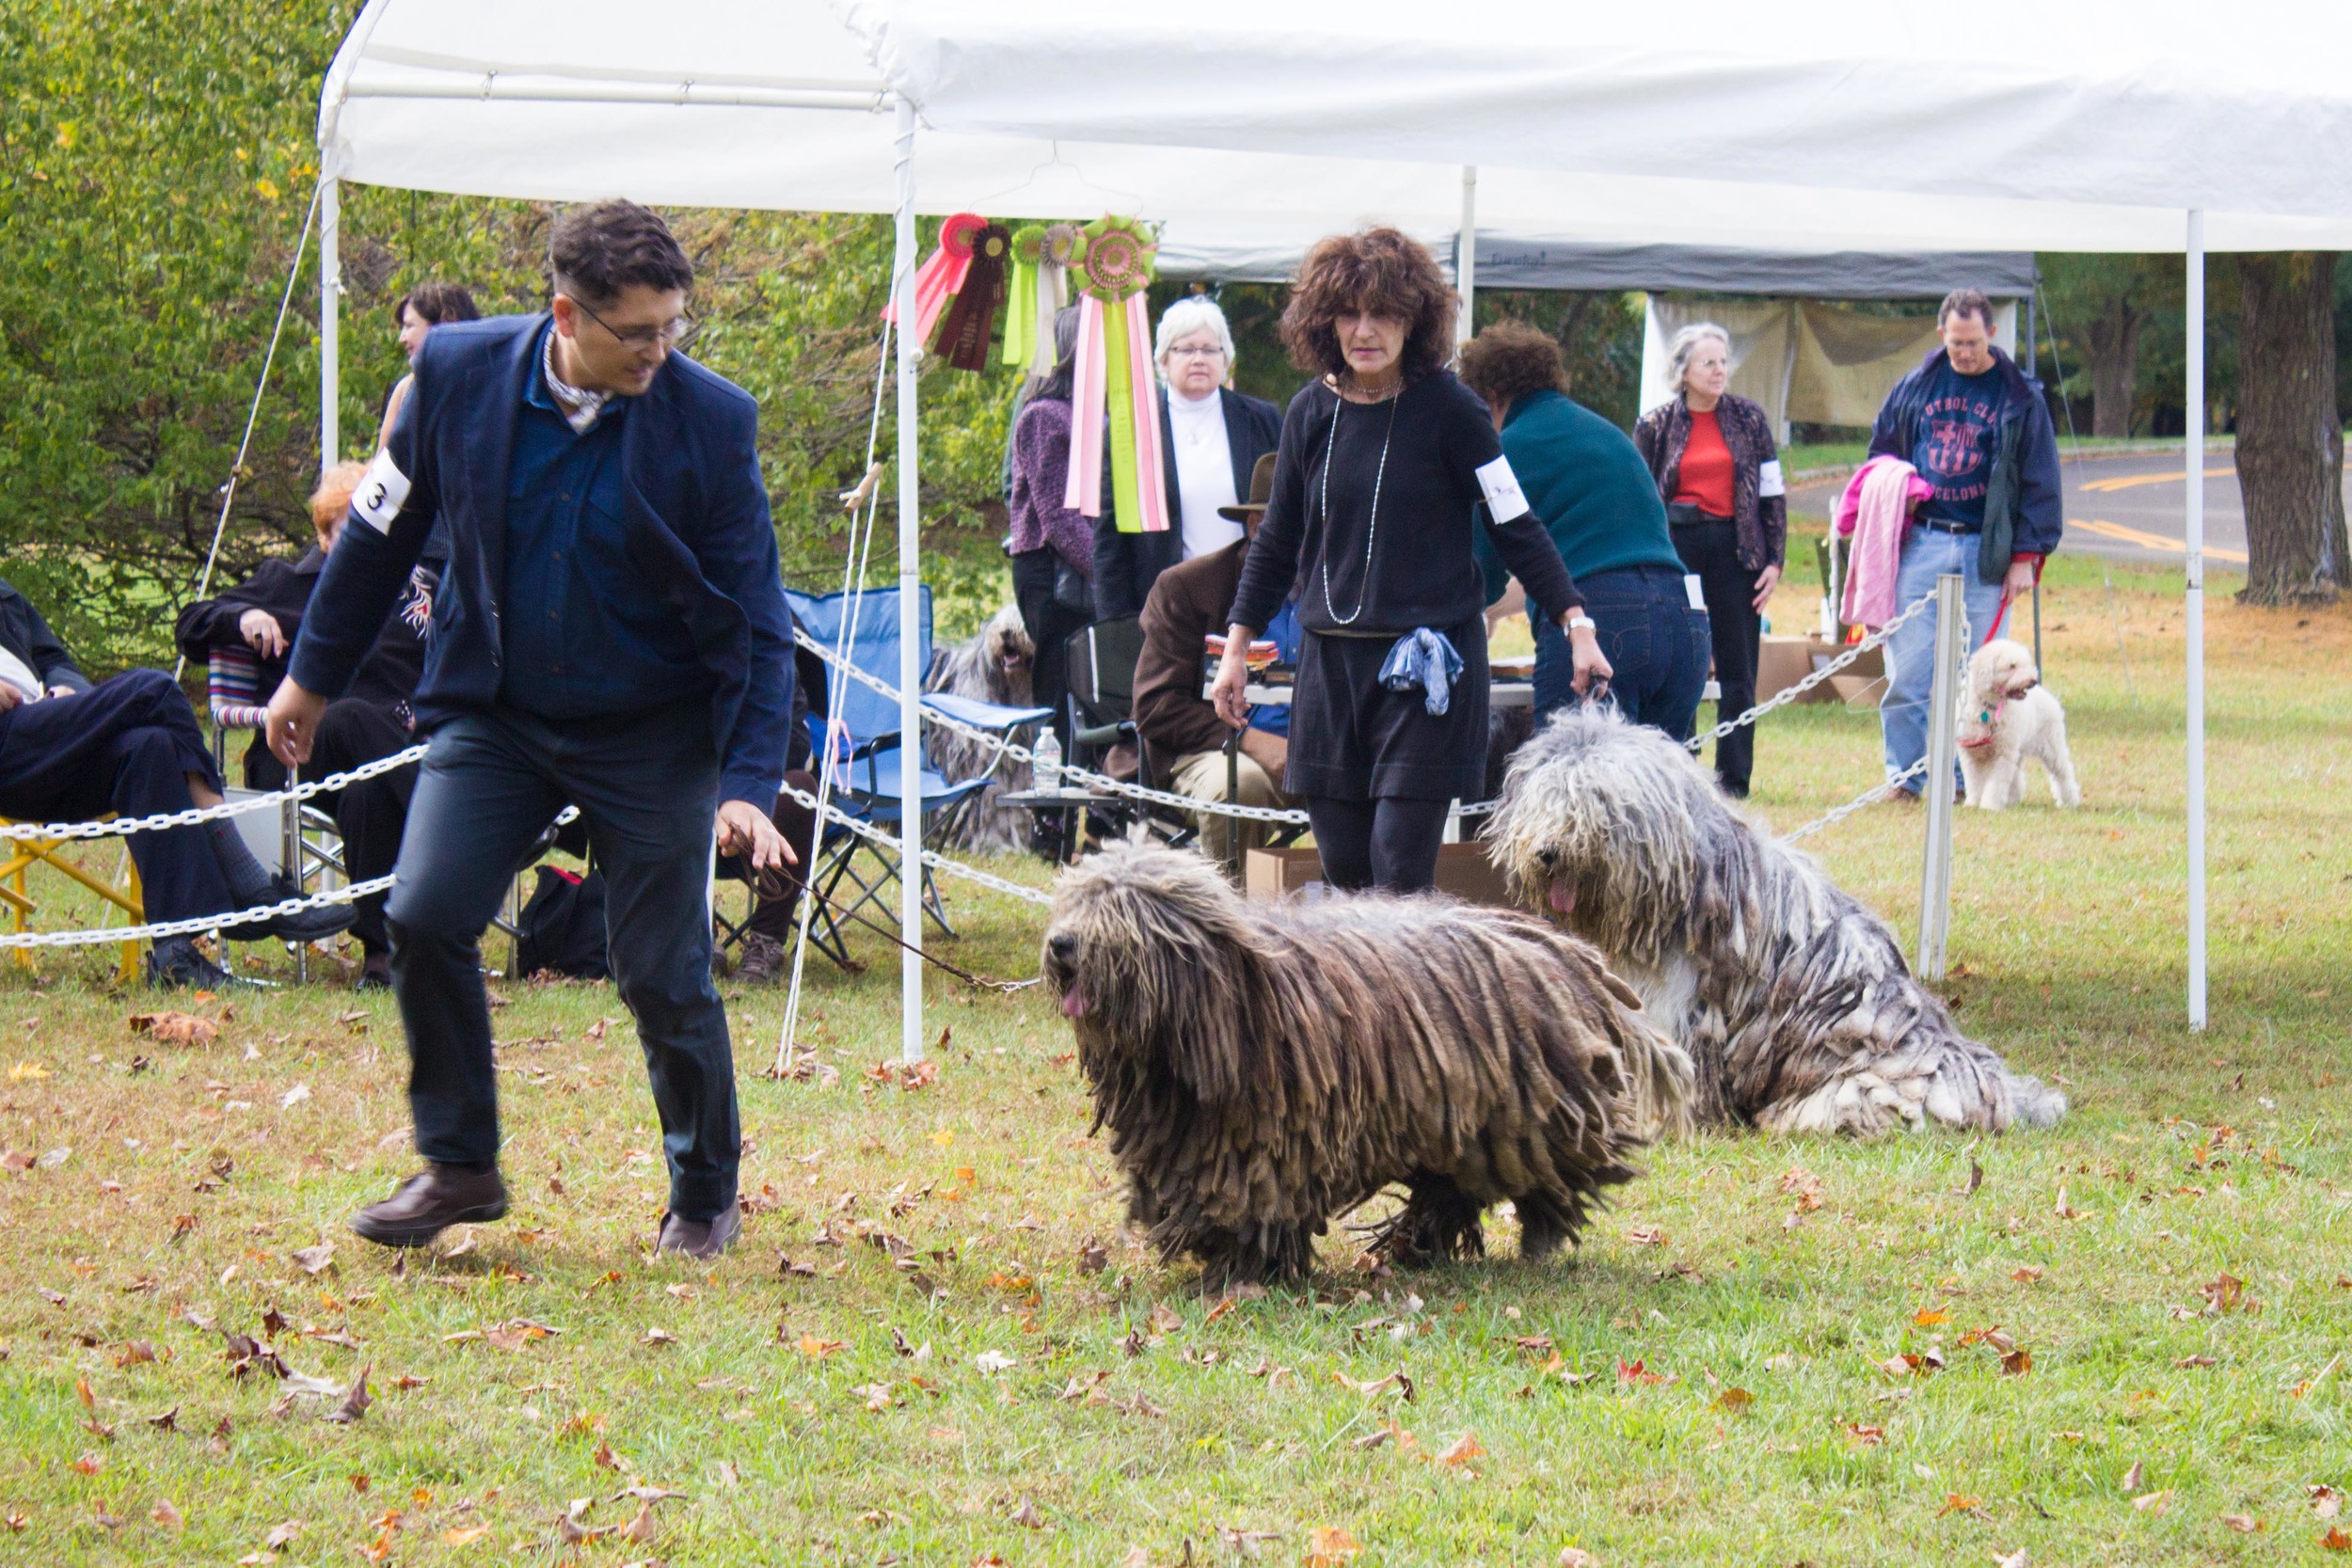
point(1045, 761)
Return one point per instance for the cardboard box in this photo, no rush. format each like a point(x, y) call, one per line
point(1783, 661)
point(1464, 872)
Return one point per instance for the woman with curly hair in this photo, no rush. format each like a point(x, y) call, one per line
point(1594, 492)
point(1385, 465)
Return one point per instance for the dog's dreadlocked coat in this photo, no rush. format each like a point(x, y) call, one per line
point(1791, 997)
point(1266, 1068)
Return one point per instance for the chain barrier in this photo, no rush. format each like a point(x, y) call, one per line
point(198, 924)
point(122, 826)
point(931, 858)
point(1875, 793)
point(1790, 694)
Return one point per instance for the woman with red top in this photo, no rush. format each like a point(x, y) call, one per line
point(1718, 471)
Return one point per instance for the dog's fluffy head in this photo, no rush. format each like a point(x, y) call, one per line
point(1006, 651)
point(1616, 829)
point(1132, 933)
point(2001, 669)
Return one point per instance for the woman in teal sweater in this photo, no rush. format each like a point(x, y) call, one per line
point(1584, 478)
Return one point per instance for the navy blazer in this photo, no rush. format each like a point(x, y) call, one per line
point(1127, 564)
point(698, 528)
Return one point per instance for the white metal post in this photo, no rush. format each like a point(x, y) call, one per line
point(910, 611)
point(1935, 873)
point(2195, 617)
point(1465, 255)
point(330, 320)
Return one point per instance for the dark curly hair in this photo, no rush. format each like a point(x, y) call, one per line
point(1510, 359)
point(435, 303)
point(597, 251)
point(1380, 270)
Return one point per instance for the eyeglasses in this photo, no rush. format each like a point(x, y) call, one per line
point(675, 334)
point(1197, 351)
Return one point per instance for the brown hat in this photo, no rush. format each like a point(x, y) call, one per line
point(1260, 491)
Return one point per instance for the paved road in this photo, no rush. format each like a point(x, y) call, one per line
point(2130, 508)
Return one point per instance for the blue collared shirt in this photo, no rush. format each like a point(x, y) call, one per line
point(585, 633)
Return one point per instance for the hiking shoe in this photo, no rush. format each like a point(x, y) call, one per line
point(700, 1238)
point(174, 963)
point(765, 960)
point(430, 1202)
point(375, 973)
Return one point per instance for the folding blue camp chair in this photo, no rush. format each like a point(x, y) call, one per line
point(865, 741)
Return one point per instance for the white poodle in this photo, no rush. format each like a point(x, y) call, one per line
point(2006, 716)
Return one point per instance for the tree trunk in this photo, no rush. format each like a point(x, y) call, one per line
point(2115, 369)
point(2290, 438)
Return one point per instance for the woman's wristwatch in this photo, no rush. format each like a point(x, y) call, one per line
point(1578, 622)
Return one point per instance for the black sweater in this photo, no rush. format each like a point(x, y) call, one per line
point(282, 588)
point(26, 634)
point(1423, 570)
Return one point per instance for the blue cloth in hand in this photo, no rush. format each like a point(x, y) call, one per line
point(1425, 659)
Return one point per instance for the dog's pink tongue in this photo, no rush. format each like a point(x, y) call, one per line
point(1564, 897)
point(1074, 1003)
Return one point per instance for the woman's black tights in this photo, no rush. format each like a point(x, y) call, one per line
point(1387, 844)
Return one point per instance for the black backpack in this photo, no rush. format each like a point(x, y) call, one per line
point(563, 927)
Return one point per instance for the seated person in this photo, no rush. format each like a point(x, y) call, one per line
point(71, 751)
point(768, 935)
point(263, 613)
point(1179, 726)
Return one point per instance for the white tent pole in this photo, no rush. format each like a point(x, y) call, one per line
point(330, 320)
point(910, 611)
point(1465, 255)
point(2195, 617)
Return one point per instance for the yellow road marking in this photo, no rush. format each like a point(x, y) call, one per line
point(2130, 481)
point(2149, 541)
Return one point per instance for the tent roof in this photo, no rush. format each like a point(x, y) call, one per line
point(1245, 134)
point(1517, 261)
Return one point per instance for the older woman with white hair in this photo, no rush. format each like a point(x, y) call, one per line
point(1718, 471)
point(1212, 436)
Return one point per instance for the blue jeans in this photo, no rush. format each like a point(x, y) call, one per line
point(1656, 644)
point(647, 786)
point(1927, 553)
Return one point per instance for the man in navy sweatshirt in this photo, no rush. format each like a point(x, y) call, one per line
point(611, 633)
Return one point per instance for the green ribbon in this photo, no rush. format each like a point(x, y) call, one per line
point(1028, 245)
point(1119, 394)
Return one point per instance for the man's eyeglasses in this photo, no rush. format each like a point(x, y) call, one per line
point(675, 334)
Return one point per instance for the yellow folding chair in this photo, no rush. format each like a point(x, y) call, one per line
point(123, 892)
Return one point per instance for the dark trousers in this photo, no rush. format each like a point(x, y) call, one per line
point(370, 814)
point(1712, 550)
point(1389, 843)
point(773, 915)
point(647, 785)
point(1050, 625)
point(1657, 646)
point(127, 745)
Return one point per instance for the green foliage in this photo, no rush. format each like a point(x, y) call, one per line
point(155, 167)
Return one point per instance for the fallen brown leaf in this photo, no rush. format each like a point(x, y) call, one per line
point(2336, 1540)
point(355, 1404)
point(174, 1028)
point(1734, 1400)
point(1464, 1451)
point(2154, 1502)
point(2327, 1501)
point(1956, 1502)
point(1331, 1547)
point(2244, 1524)
point(167, 1516)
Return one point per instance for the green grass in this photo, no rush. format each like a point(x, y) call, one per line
point(1788, 1269)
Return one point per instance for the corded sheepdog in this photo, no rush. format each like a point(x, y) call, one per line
point(2007, 718)
point(993, 666)
point(1265, 1068)
point(1792, 998)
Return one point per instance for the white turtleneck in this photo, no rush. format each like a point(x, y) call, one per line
point(1204, 471)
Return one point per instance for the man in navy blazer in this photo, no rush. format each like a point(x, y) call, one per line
point(611, 633)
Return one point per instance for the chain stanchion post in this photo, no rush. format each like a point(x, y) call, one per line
point(1935, 875)
point(290, 859)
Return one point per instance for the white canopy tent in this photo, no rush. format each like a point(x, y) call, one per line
point(1834, 125)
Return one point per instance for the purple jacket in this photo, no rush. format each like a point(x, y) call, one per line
point(1041, 473)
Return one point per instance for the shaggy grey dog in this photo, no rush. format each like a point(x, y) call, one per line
point(1265, 1067)
point(994, 667)
point(1791, 997)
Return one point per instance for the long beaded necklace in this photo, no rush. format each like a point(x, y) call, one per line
point(1372, 529)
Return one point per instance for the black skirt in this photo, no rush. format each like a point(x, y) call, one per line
point(1353, 740)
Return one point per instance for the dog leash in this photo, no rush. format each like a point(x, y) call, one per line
point(771, 884)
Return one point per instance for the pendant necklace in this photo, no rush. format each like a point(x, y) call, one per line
point(1371, 528)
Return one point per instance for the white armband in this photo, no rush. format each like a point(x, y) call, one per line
point(382, 491)
point(1769, 482)
point(1505, 500)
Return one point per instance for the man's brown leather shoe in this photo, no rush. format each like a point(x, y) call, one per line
point(429, 1203)
point(700, 1238)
